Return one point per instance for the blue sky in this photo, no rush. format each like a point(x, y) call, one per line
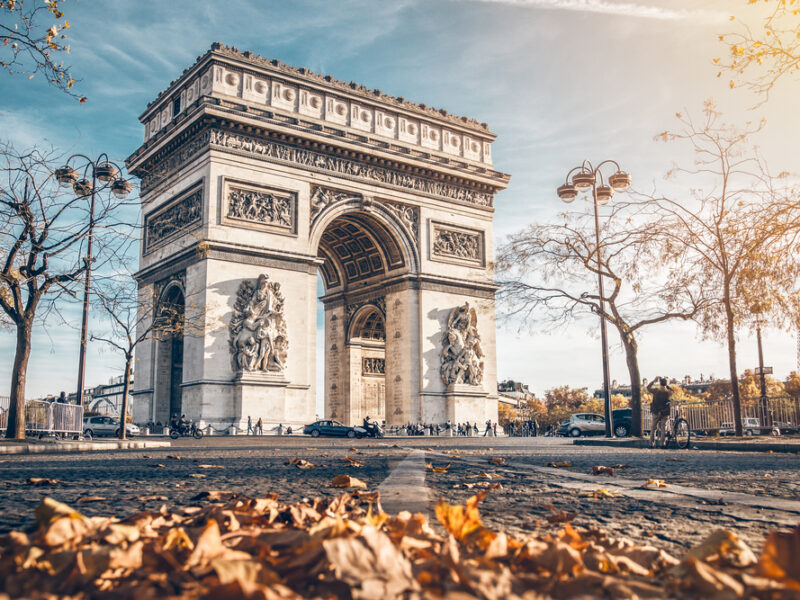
point(559, 81)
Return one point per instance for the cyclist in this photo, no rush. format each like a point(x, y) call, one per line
point(659, 408)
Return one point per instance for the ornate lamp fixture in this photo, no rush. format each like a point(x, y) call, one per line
point(588, 177)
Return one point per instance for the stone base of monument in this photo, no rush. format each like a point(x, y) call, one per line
point(258, 394)
point(464, 402)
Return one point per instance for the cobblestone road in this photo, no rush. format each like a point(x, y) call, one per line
point(673, 518)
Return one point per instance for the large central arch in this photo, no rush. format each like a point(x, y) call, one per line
point(256, 178)
point(364, 249)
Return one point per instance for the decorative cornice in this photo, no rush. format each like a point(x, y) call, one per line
point(276, 66)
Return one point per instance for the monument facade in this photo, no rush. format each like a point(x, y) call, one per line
point(255, 178)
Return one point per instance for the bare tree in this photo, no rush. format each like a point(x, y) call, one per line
point(132, 319)
point(42, 236)
point(32, 38)
point(550, 271)
point(734, 237)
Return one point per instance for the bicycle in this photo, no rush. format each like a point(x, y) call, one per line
point(676, 433)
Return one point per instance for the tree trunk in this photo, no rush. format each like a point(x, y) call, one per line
point(632, 360)
point(16, 408)
point(737, 403)
point(125, 389)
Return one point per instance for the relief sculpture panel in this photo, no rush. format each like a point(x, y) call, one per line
point(261, 208)
point(180, 214)
point(453, 244)
point(462, 354)
point(258, 339)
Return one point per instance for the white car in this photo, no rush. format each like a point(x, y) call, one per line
point(586, 424)
point(99, 426)
point(750, 426)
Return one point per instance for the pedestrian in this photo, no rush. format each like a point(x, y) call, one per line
point(488, 428)
point(62, 398)
point(534, 427)
point(289, 430)
point(259, 426)
point(662, 398)
point(438, 429)
point(475, 428)
point(250, 430)
point(494, 429)
point(280, 428)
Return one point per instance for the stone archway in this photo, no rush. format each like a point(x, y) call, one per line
point(256, 178)
point(366, 255)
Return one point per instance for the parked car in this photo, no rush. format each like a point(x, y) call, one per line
point(750, 426)
point(329, 428)
point(99, 426)
point(586, 424)
point(622, 418)
point(786, 426)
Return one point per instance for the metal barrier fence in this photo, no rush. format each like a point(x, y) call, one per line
point(42, 417)
point(780, 412)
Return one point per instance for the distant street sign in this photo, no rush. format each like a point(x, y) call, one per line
point(767, 370)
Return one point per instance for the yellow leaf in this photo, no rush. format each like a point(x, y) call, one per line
point(731, 83)
point(658, 483)
point(459, 520)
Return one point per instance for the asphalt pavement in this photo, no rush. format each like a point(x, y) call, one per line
point(748, 492)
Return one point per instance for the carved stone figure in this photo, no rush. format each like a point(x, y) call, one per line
point(258, 339)
point(462, 354)
point(457, 244)
point(260, 207)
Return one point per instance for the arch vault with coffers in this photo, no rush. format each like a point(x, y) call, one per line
point(255, 177)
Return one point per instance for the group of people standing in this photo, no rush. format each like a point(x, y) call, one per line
point(258, 428)
point(529, 428)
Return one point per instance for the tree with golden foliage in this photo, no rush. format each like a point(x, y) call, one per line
point(33, 36)
point(759, 57)
point(733, 236)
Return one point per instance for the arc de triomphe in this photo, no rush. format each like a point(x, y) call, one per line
point(255, 178)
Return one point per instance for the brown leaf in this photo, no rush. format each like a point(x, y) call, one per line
point(372, 563)
point(159, 466)
point(42, 481)
point(559, 464)
point(347, 481)
point(353, 462)
point(215, 495)
point(459, 520)
point(210, 467)
point(601, 494)
point(86, 499)
point(601, 470)
point(497, 460)
point(151, 498)
point(780, 558)
point(723, 548)
point(197, 475)
point(300, 463)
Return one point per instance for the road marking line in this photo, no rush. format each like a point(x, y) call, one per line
point(404, 488)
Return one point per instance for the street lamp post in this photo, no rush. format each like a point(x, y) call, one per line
point(757, 309)
point(107, 173)
point(584, 177)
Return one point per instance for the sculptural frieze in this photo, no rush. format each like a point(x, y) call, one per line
point(373, 366)
point(408, 215)
point(343, 166)
point(178, 216)
point(454, 243)
point(462, 354)
point(261, 207)
point(258, 340)
point(322, 197)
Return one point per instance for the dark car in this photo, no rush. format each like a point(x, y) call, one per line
point(330, 428)
point(622, 422)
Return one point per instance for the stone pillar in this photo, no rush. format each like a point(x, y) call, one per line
point(337, 404)
point(403, 400)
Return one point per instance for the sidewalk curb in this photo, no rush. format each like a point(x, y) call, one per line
point(61, 447)
point(699, 445)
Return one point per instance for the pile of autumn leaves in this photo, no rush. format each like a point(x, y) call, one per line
point(230, 547)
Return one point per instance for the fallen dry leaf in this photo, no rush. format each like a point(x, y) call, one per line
point(173, 456)
point(42, 481)
point(780, 558)
point(353, 462)
point(443, 469)
point(210, 467)
point(150, 498)
point(654, 483)
point(601, 493)
point(559, 464)
point(674, 459)
point(601, 470)
point(300, 463)
point(497, 460)
point(197, 475)
point(85, 499)
point(159, 466)
point(347, 481)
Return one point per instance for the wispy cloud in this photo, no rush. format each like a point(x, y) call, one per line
point(606, 7)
